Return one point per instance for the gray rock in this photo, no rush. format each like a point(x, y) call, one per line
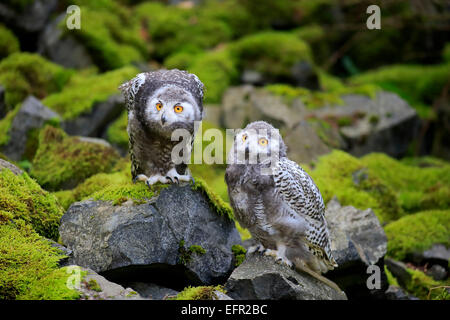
point(357, 242)
point(152, 291)
point(218, 295)
point(252, 77)
point(95, 287)
point(260, 277)
point(399, 270)
point(396, 293)
point(8, 165)
point(61, 48)
point(144, 242)
point(30, 19)
point(437, 254)
point(437, 272)
point(385, 124)
point(32, 115)
point(66, 252)
point(304, 75)
point(93, 123)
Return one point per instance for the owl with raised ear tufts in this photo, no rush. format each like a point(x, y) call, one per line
point(158, 103)
point(278, 202)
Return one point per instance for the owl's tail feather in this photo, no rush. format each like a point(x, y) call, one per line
point(301, 266)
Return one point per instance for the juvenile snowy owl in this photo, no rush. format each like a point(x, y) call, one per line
point(158, 103)
point(283, 210)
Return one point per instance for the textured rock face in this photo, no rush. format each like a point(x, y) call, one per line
point(357, 241)
point(8, 165)
point(153, 239)
point(32, 115)
point(92, 124)
point(260, 277)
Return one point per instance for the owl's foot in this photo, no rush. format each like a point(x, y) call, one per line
point(258, 247)
point(174, 177)
point(149, 181)
point(280, 255)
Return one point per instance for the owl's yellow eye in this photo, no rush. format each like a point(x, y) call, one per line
point(158, 106)
point(263, 141)
point(178, 109)
point(244, 137)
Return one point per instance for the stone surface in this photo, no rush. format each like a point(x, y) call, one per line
point(357, 241)
point(143, 242)
point(95, 287)
point(260, 277)
point(437, 272)
point(61, 48)
point(396, 293)
point(384, 124)
point(31, 19)
point(32, 115)
point(92, 124)
point(437, 254)
point(152, 291)
point(8, 165)
point(399, 270)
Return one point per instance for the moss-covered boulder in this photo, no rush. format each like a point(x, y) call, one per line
point(376, 181)
point(61, 161)
point(418, 232)
point(23, 74)
point(170, 242)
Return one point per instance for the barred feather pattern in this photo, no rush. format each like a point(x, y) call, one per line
point(301, 194)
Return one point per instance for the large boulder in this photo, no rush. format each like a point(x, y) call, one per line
point(31, 116)
point(261, 277)
point(386, 123)
point(357, 242)
point(175, 239)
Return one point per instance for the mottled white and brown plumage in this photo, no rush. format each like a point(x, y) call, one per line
point(282, 207)
point(158, 103)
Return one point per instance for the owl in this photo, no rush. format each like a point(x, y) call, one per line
point(158, 103)
point(277, 201)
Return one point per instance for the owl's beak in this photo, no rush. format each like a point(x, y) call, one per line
point(163, 120)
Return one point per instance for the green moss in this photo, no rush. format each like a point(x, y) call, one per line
point(9, 43)
point(93, 285)
point(390, 278)
point(117, 131)
point(110, 33)
point(199, 293)
point(446, 52)
point(177, 29)
point(218, 205)
point(272, 53)
point(417, 84)
point(185, 255)
point(30, 266)
point(317, 99)
point(83, 92)
point(333, 175)
point(23, 74)
point(239, 254)
point(425, 288)
point(418, 232)
point(22, 199)
point(217, 70)
point(62, 161)
point(6, 123)
point(418, 188)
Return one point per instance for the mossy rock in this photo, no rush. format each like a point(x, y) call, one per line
point(117, 131)
point(417, 84)
point(391, 188)
point(271, 53)
point(199, 293)
point(30, 266)
point(22, 199)
point(83, 91)
point(23, 74)
point(418, 232)
point(63, 162)
point(110, 33)
point(9, 43)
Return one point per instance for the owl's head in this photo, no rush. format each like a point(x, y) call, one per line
point(171, 107)
point(257, 142)
point(165, 100)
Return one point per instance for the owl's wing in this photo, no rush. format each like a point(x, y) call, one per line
point(301, 194)
point(130, 88)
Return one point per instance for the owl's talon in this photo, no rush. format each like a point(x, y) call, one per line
point(192, 180)
point(258, 247)
point(169, 178)
point(176, 180)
